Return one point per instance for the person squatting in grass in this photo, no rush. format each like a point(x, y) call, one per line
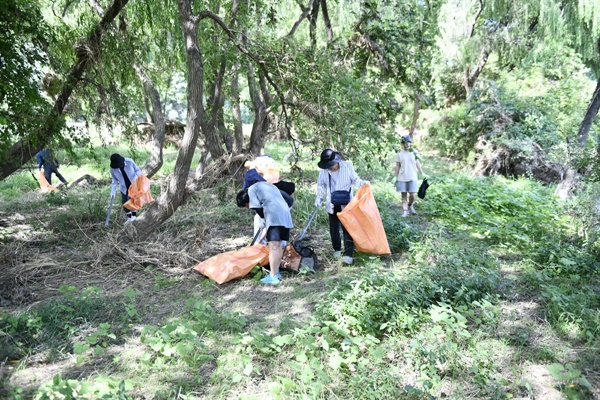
point(336, 175)
point(268, 202)
point(46, 159)
point(405, 172)
point(123, 171)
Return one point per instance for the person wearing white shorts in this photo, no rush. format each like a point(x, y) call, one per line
point(405, 172)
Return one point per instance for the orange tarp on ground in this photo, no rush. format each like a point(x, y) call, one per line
point(234, 264)
point(139, 193)
point(45, 187)
point(362, 221)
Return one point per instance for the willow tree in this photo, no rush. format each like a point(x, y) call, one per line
point(20, 147)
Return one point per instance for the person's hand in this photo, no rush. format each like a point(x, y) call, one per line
point(366, 183)
point(318, 202)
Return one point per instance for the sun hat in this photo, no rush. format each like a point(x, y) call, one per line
point(117, 161)
point(407, 139)
point(329, 158)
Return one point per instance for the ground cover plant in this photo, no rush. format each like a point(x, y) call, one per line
point(490, 292)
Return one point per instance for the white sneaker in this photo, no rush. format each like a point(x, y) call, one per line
point(337, 254)
point(128, 221)
point(405, 214)
point(347, 260)
point(412, 210)
point(133, 218)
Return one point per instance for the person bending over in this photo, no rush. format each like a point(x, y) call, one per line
point(267, 201)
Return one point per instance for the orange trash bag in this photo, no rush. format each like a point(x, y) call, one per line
point(362, 221)
point(139, 193)
point(45, 187)
point(234, 264)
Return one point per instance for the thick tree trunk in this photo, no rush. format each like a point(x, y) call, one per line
point(26, 148)
point(314, 14)
point(210, 129)
point(155, 161)
point(174, 193)
point(590, 115)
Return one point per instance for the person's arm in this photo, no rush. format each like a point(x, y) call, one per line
point(136, 169)
point(396, 169)
point(354, 178)
point(40, 160)
point(419, 168)
point(321, 188)
point(114, 183)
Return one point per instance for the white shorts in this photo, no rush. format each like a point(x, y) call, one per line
point(410, 186)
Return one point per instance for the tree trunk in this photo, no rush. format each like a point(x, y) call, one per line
point(471, 78)
point(327, 21)
point(260, 125)
point(26, 148)
point(174, 193)
point(155, 161)
point(314, 14)
point(238, 130)
point(590, 115)
point(415, 119)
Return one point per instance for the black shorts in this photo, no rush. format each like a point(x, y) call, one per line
point(278, 233)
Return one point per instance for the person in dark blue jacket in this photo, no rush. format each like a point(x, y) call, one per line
point(48, 162)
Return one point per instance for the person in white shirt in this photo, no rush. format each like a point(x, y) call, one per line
point(337, 175)
point(123, 172)
point(405, 172)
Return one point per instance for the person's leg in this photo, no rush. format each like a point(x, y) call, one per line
point(48, 175)
point(59, 176)
point(411, 199)
point(124, 199)
point(348, 243)
point(412, 189)
point(275, 255)
point(334, 232)
point(404, 201)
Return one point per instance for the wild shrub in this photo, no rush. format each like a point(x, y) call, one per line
point(517, 213)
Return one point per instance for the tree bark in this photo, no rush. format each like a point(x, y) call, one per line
point(327, 21)
point(590, 115)
point(174, 193)
point(23, 150)
point(260, 125)
point(155, 161)
point(415, 119)
point(304, 14)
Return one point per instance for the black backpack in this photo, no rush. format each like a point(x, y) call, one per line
point(299, 258)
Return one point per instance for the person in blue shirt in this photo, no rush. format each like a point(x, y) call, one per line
point(48, 162)
point(123, 172)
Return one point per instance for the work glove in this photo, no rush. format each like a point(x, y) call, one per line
point(366, 183)
point(318, 202)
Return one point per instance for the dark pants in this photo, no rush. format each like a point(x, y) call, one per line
point(48, 174)
point(334, 231)
point(124, 199)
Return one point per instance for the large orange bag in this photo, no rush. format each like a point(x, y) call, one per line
point(362, 221)
point(45, 187)
point(139, 193)
point(234, 264)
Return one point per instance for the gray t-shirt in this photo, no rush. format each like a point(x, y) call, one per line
point(268, 197)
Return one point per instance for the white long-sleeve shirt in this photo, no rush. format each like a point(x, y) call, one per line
point(343, 179)
point(132, 172)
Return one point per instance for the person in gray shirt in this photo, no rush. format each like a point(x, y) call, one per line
point(268, 202)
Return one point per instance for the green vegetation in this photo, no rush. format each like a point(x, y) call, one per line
point(489, 273)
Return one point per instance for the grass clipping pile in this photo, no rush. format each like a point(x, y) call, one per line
point(33, 272)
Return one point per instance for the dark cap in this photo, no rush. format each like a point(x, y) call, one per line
point(117, 161)
point(407, 139)
point(329, 158)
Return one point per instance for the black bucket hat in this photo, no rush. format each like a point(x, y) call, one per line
point(117, 161)
point(329, 158)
